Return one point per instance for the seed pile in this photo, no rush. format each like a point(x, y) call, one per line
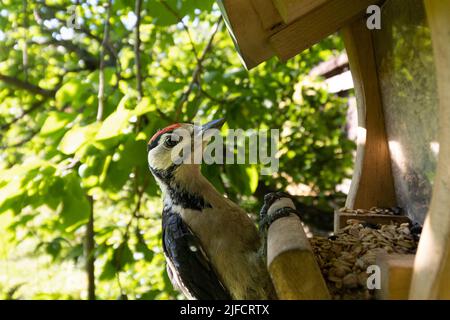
point(344, 257)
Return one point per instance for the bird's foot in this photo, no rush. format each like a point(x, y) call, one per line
point(276, 205)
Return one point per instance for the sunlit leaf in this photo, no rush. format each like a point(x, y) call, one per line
point(76, 137)
point(76, 207)
point(55, 122)
point(144, 106)
point(252, 174)
point(115, 123)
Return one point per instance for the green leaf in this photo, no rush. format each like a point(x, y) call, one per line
point(164, 17)
point(115, 123)
point(122, 256)
point(239, 179)
point(106, 164)
point(141, 247)
point(161, 16)
point(108, 272)
point(75, 252)
point(68, 92)
point(76, 137)
point(54, 248)
point(143, 107)
point(55, 122)
point(135, 152)
point(74, 92)
point(76, 207)
point(56, 190)
point(253, 177)
point(150, 295)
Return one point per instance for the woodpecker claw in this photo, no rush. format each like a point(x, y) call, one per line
point(266, 219)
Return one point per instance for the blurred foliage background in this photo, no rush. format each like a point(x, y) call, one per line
point(84, 84)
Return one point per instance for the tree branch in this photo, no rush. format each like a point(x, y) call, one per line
point(101, 82)
point(90, 247)
point(109, 46)
point(25, 42)
point(196, 74)
point(163, 116)
point(137, 51)
point(210, 97)
point(185, 27)
point(90, 60)
point(36, 105)
point(20, 143)
point(27, 86)
point(90, 231)
point(82, 29)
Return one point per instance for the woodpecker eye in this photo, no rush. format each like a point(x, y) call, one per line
point(171, 141)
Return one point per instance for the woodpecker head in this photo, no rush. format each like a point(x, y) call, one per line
point(174, 148)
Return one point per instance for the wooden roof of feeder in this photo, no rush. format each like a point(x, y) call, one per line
point(262, 29)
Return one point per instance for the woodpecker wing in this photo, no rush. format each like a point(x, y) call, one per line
point(189, 268)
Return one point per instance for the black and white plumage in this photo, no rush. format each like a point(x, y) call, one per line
point(188, 265)
point(212, 247)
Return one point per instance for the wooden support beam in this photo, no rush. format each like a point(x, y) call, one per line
point(340, 219)
point(291, 10)
point(372, 183)
point(396, 274)
point(315, 25)
point(268, 14)
point(291, 262)
point(431, 278)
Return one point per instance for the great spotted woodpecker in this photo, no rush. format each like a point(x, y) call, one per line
point(212, 247)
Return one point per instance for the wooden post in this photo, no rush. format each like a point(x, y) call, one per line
point(291, 262)
point(396, 274)
point(372, 183)
point(431, 278)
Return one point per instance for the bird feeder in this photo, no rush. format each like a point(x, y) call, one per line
point(401, 76)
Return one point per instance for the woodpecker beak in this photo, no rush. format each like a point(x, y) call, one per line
point(214, 124)
point(206, 130)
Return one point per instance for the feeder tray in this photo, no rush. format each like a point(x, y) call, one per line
point(345, 257)
point(371, 216)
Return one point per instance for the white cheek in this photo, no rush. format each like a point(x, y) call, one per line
point(149, 158)
point(159, 158)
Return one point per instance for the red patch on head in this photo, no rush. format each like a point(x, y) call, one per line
point(166, 129)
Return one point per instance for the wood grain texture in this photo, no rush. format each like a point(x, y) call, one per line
point(431, 278)
point(340, 219)
point(247, 31)
point(316, 25)
point(396, 274)
point(291, 262)
point(268, 14)
point(372, 183)
point(294, 9)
